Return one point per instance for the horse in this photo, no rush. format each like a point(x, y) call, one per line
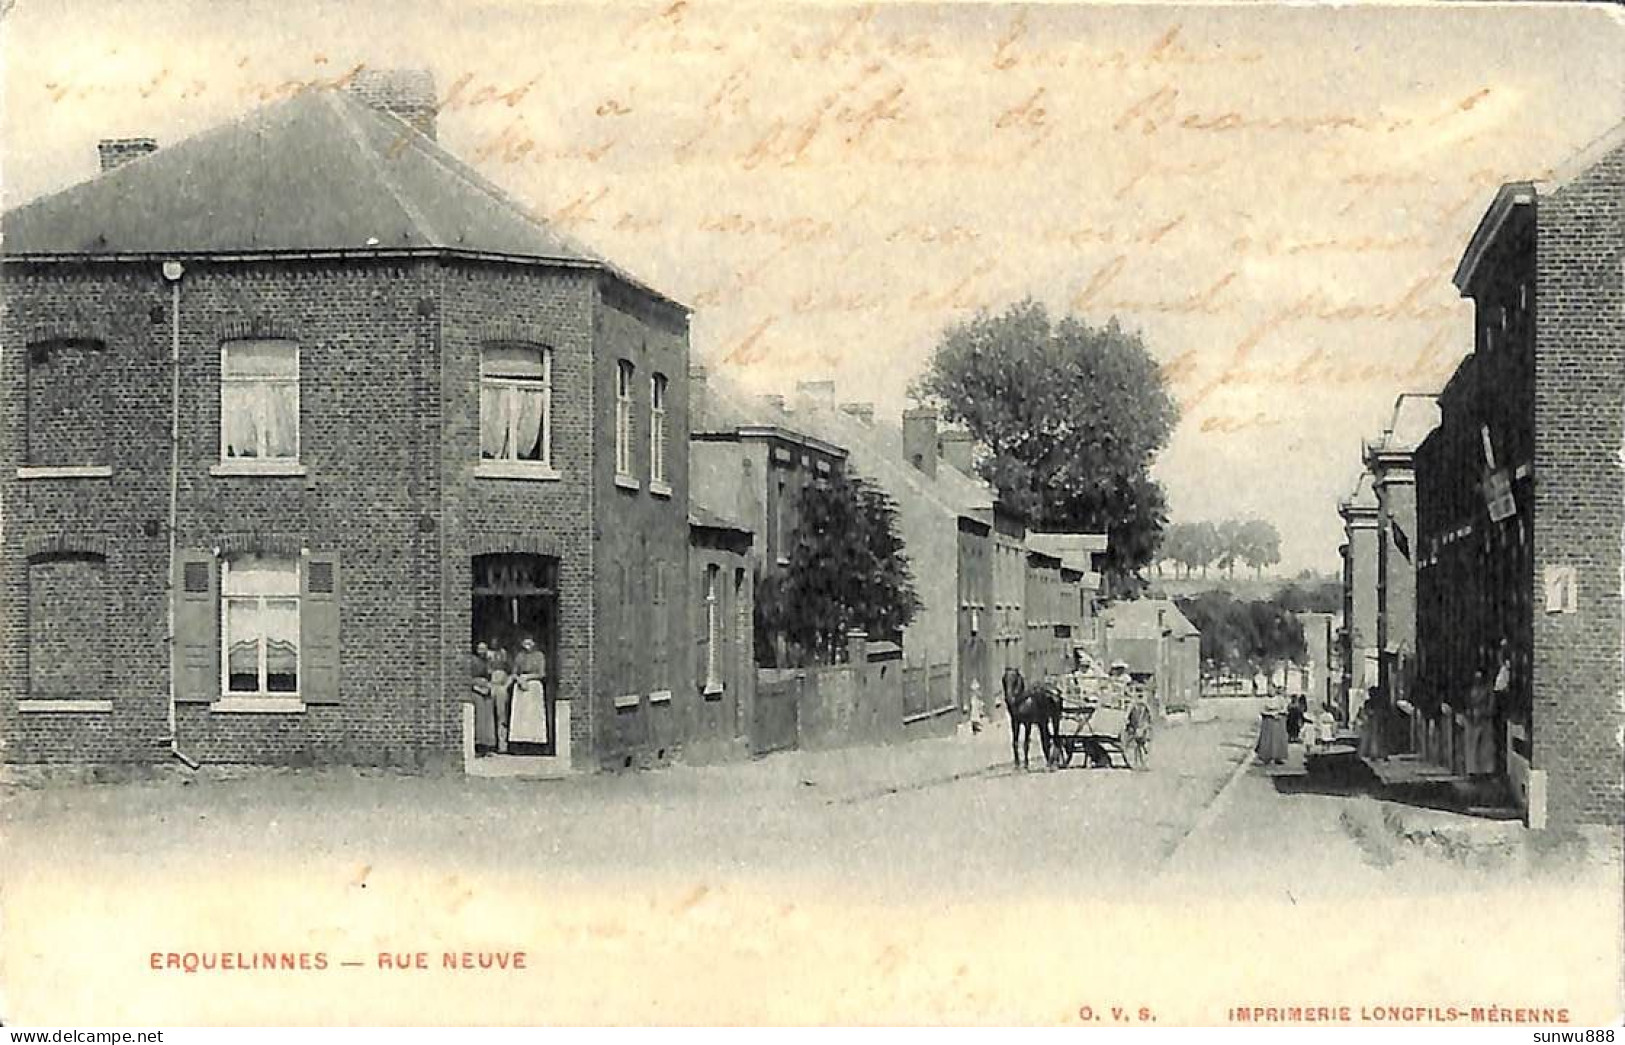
point(1040, 706)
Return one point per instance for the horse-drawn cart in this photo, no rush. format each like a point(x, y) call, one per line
point(1094, 722)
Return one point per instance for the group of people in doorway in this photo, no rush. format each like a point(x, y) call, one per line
point(509, 696)
point(1285, 722)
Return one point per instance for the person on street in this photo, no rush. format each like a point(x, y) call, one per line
point(1271, 747)
point(1137, 729)
point(1327, 732)
point(1295, 715)
point(485, 711)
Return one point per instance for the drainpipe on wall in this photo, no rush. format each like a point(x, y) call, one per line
point(173, 270)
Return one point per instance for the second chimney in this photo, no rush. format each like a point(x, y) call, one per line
point(920, 439)
point(407, 93)
point(821, 393)
point(115, 152)
point(957, 450)
point(699, 388)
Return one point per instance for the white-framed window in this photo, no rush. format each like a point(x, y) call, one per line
point(623, 418)
point(259, 626)
point(259, 400)
point(657, 430)
point(713, 629)
point(516, 404)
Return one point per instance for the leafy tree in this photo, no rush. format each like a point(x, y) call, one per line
point(1244, 636)
point(1260, 545)
point(1232, 546)
point(1176, 547)
point(847, 570)
point(1072, 417)
point(1205, 545)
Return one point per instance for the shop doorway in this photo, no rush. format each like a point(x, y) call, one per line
point(515, 596)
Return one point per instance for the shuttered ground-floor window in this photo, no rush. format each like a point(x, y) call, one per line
point(67, 627)
point(262, 624)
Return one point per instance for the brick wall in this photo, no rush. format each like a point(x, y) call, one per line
point(368, 469)
point(389, 443)
point(67, 407)
point(638, 529)
point(477, 305)
point(1579, 495)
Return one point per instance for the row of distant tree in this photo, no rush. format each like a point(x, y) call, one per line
point(1198, 546)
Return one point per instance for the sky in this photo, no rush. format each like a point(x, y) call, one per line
point(1274, 197)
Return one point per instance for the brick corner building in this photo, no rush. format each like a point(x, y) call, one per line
point(312, 396)
point(1521, 501)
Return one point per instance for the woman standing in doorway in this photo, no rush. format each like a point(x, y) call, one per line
point(485, 711)
point(529, 723)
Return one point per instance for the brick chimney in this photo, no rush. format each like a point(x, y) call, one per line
point(115, 152)
point(407, 93)
point(864, 412)
point(920, 439)
point(821, 393)
point(956, 449)
point(699, 395)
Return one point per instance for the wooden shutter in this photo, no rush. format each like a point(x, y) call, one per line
point(319, 629)
point(196, 660)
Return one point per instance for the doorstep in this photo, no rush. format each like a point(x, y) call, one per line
point(518, 767)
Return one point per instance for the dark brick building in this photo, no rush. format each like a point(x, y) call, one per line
point(1521, 502)
point(406, 415)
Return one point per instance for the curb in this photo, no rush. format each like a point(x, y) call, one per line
point(1209, 814)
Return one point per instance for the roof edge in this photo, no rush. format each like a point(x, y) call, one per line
point(1508, 196)
point(341, 254)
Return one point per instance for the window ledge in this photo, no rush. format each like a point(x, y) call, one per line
point(244, 467)
point(626, 482)
point(659, 489)
point(713, 690)
point(535, 472)
point(628, 702)
point(784, 560)
point(258, 705)
point(76, 706)
point(76, 471)
point(660, 696)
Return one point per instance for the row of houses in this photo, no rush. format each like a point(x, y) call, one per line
point(1482, 561)
point(993, 594)
point(304, 407)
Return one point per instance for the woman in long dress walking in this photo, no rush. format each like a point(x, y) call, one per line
point(1271, 745)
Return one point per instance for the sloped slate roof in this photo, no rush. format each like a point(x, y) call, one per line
point(320, 172)
point(1138, 619)
point(703, 517)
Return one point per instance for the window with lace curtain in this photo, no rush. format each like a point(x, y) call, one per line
point(259, 626)
point(259, 401)
point(516, 405)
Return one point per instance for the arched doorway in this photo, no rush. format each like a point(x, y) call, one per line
point(515, 596)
